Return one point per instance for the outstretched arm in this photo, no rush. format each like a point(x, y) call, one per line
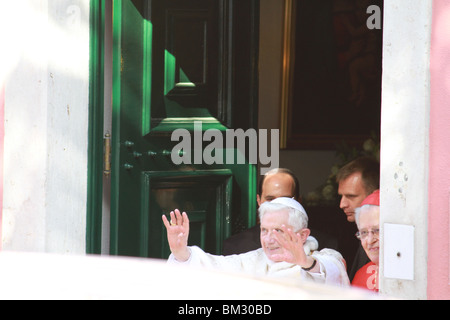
point(177, 234)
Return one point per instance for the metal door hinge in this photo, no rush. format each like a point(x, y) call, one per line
point(107, 155)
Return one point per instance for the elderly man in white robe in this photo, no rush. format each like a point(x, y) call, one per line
point(287, 249)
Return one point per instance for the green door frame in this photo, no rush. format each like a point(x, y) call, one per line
point(96, 113)
point(96, 129)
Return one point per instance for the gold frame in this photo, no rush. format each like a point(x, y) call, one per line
point(287, 74)
point(305, 141)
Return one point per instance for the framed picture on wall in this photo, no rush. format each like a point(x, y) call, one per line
point(331, 91)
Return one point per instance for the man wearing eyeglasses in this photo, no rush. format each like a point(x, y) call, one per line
point(367, 218)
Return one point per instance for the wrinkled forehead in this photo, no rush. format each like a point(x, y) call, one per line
point(369, 217)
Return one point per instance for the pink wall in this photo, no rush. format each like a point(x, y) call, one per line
point(2, 135)
point(439, 174)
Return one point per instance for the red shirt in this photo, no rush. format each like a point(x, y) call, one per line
point(367, 277)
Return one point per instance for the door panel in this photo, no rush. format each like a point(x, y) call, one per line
point(189, 42)
point(174, 63)
point(205, 195)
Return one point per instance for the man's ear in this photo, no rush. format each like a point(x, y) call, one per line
point(304, 234)
point(258, 199)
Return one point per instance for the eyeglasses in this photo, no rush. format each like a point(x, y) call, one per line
point(363, 234)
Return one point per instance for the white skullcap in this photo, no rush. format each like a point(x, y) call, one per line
point(291, 203)
point(298, 218)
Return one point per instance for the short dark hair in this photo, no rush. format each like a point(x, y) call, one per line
point(281, 170)
point(368, 167)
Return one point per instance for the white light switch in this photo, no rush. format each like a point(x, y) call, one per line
point(398, 251)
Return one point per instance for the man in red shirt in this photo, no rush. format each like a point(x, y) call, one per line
point(367, 218)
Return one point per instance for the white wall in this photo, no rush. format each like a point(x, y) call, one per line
point(404, 138)
point(46, 125)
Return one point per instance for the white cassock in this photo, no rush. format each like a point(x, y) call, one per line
point(331, 262)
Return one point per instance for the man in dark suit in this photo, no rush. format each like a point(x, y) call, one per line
point(356, 180)
point(274, 184)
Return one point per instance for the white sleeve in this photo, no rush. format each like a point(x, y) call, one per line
point(320, 276)
point(332, 264)
point(200, 258)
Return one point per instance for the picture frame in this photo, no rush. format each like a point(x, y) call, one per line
point(331, 75)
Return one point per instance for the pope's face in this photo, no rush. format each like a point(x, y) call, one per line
point(271, 223)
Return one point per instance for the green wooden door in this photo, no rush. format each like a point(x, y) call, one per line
point(180, 64)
